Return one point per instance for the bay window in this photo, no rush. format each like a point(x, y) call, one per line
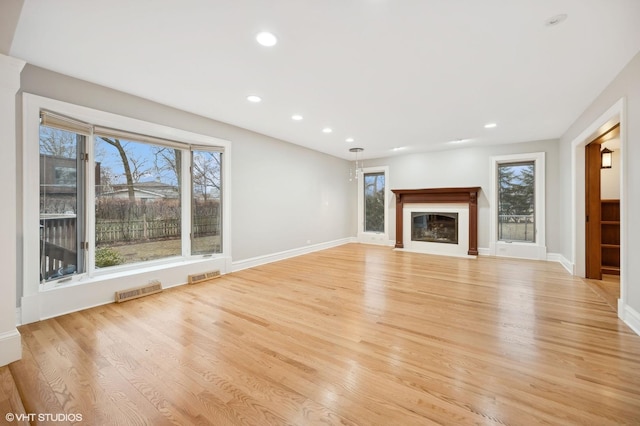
point(115, 199)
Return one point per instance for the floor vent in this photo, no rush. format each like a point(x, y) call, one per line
point(198, 278)
point(134, 293)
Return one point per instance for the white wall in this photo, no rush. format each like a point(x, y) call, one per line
point(8, 21)
point(624, 90)
point(285, 196)
point(471, 166)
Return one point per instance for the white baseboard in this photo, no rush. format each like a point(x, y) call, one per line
point(274, 257)
point(551, 257)
point(557, 257)
point(518, 250)
point(29, 309)
point(630, 316)
point(10, 347)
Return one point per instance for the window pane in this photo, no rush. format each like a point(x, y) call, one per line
point(374, 202)
point(61, 229)
point(516, 196)
point(206, 202)
point(137, 202)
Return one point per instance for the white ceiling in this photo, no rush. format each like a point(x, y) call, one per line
point(389, 73)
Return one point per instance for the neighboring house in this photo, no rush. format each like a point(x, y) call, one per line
point(58, 174)
point(144, 191)
point(59, 183)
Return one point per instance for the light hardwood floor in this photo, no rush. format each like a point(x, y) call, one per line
point(10, 402)
point(354, 335)
point(608, 288)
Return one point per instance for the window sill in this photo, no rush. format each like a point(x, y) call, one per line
point(126, 271)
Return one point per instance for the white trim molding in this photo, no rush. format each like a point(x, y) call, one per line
point(10, 346)
point(557, 257)
point(275, 257)
point(10, 69)
point(630, 316)
point(10, 343)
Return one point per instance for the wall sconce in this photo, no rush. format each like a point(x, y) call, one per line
point(606, 158)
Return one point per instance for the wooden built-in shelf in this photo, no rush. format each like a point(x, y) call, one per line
point(610, 236)
point(611, 270)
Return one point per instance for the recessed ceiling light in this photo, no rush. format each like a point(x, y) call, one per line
point(555, 20)
point(266, 39)
point(327, 130)
point(349, 140)
point(399, 148)
point(253, 98)
point(296, 117)
point(490, 125)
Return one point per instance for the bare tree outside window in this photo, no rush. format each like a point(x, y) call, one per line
point(138, 206)
point(374, 189)
point(149, 192)
point(206, 199)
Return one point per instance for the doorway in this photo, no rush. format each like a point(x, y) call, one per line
point(577, 215)
point(602, 219)
point(602, 207)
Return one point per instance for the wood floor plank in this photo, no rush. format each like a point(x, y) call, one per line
point(10, 400)
point(353, 335)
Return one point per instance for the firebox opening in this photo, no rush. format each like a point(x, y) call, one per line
point(434, 227)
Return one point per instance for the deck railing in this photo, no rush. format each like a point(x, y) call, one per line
point(58, 244)
point(59, 241)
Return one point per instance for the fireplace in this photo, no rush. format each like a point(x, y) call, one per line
point(441, 202)
point(434, 227)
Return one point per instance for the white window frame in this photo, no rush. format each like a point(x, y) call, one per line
point(115, 278)
point(527, 250)
point(381, 238)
